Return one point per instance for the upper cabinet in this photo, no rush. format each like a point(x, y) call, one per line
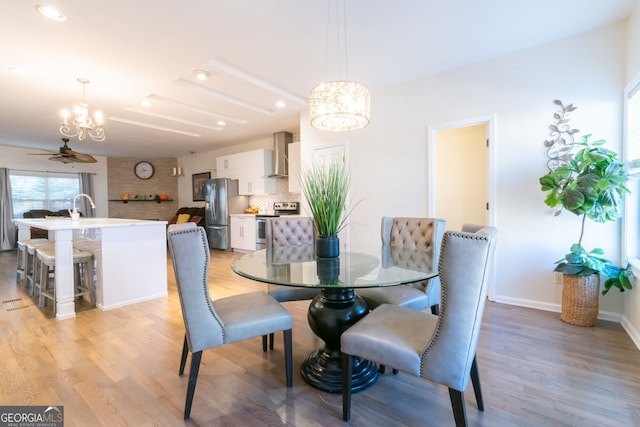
point(294, 167)
point(228, 166)
point(251, 169)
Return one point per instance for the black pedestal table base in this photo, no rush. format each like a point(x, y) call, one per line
point(331, 313)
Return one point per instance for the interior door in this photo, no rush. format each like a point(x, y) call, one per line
point(461, 175)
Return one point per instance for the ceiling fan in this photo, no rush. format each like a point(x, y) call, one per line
point(67, 155)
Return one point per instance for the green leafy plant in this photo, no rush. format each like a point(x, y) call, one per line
point(591, 184)
point(582, 263)
point(326, 187)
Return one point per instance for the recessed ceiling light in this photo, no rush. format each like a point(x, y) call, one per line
point(19, 71)
point(146, 103)
point(221, 123)
point(51, 13)
point(280, 104)
point(201, 74)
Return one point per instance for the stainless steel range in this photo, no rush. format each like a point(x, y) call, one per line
point(279, 209)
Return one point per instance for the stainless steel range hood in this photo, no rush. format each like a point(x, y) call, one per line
point(281, 141)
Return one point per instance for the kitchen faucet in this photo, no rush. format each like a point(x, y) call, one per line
point(74, 213)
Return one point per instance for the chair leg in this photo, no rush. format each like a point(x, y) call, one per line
point(264, 343)
point(183, 358)
point(347, 363)
point(193, 377)
point(271, 341)
point(435, 309)
point(457, 404)
point(475, 380)
point(288, 356)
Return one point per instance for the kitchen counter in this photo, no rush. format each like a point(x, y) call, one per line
point(84, 223)
point(130, 254)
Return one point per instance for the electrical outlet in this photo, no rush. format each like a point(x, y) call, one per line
point(558, 277)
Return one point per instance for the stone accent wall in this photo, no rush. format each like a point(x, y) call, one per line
point(122, 179)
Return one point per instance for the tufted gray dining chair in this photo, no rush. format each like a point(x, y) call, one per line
point(439, 348)
point(210, 323)
point(410, 233)
point(282, 232)
point(174, 227)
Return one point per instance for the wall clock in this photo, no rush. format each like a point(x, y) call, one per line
point(143, 170)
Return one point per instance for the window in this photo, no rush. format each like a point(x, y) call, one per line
point(42, 190)
point(632, 159)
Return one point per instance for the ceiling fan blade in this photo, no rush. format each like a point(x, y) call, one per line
point(85, 158)
point(81, 157)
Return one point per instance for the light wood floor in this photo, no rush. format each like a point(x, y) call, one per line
point(119, 367)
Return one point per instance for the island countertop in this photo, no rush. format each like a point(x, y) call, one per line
point(69, 224)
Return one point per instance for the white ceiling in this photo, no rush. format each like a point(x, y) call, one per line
point(136, 49)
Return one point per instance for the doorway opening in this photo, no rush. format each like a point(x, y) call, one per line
point(462, 174)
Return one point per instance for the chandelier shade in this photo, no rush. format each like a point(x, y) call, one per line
point(81, 123)
point(339, 106)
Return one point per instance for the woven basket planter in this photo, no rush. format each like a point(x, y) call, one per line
point(580, 299)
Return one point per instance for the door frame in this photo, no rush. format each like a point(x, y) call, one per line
point(490, 121)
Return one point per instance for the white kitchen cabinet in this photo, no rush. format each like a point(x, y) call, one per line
point(243, 232)
point(294, 167)
point(255, 167)
point(228, 166)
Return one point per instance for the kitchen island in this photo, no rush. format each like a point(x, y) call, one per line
point(130, 255)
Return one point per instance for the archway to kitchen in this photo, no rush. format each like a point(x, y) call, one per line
point(461, 172)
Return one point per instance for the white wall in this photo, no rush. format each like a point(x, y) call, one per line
point(390, 157)
point(20, 159)
point(632, 301)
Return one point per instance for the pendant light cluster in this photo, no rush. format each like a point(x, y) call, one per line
point(81, 124)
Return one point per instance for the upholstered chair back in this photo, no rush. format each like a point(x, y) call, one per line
point(189, 250)
point(415, 233)
point(288, 231)
point(463, 271)
point(174, 227)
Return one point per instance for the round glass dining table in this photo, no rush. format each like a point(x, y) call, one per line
point(337, 305)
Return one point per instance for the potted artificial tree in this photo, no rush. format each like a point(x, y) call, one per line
point(326, 187)
point(588, 181)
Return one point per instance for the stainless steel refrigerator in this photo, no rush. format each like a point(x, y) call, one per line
point(221, 200)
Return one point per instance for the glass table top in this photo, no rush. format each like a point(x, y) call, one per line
point(364, 267)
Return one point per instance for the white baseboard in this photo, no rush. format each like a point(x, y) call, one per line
point(634, 334)
point(133, 301)
point(556, 308)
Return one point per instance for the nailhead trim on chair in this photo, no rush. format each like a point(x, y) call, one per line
point(205, 279)
point(443, 294)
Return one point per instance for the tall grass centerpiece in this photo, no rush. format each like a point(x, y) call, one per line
point(326, 187)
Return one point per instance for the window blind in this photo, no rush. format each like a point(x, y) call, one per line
point(42, 190)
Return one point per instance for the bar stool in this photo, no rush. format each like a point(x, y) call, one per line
point(31, 261)
point(83, 275)
point(22, 265)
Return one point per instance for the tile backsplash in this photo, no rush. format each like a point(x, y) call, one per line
point(265, 202)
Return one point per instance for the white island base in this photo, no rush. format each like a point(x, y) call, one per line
point(131, 258)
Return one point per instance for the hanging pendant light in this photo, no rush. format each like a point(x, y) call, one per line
point(342, 104)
